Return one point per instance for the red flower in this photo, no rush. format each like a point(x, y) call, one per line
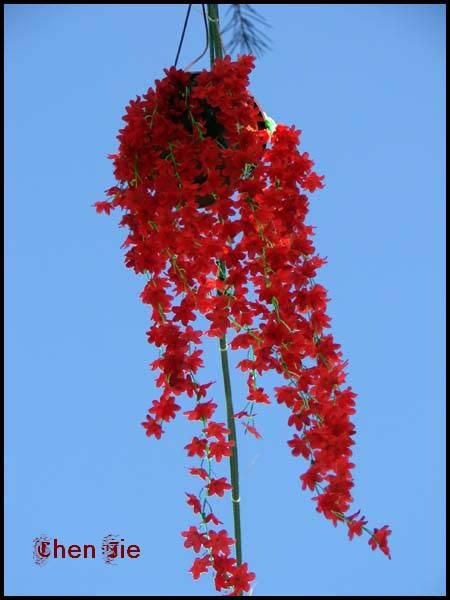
point(199, 471)
point(103, 207)
point(194, 502)
point(152, 427)
point(312, 182)
point(194, 539)
point(241, 414)
point(299, 447)
point(241, 579)
point(243, 340)
point(212, 517)
point(286, 395)
point(164, 409)
point(224, 567)
point(200, 566)
point(355, 526)
point(218, 487)
point(217, 430)
point(220, 542)
point(185, 311)
point(379, 539)
point(218, 450)
point(203, 410)
point(311, 478)
point(258, 395)
point(197, 447)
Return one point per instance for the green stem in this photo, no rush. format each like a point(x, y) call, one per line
point(234, 464)
point(210, 12)
point(234, 467)
point(216, 51)
point(215, 44)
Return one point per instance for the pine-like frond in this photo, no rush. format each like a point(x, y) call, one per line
point(245, 26)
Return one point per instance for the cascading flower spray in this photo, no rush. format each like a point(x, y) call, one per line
point(215, 204)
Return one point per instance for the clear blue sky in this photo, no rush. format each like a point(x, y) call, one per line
point(365, 84)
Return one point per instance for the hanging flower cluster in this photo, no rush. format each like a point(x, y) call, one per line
point(215, 205)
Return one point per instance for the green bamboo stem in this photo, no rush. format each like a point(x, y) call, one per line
point(211, 29)
point(234, 469)
point(216, 51)
point(215, 45)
